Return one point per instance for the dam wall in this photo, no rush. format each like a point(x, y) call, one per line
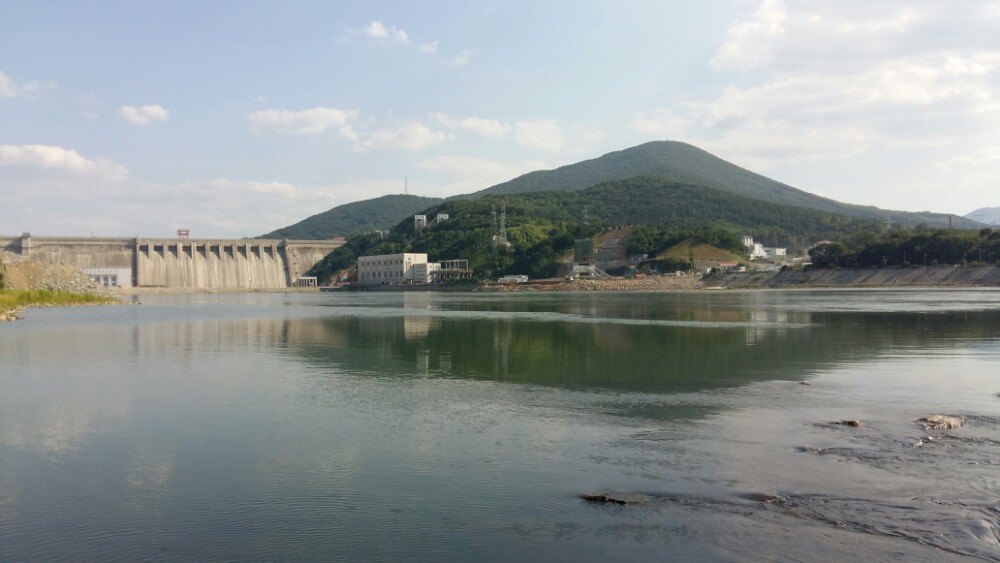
point(182, 263)
point(211, 265)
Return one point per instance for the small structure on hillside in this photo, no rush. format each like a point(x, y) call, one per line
point(419, 222)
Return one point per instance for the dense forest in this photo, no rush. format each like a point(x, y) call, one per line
point(541, 226)
point(906, 247)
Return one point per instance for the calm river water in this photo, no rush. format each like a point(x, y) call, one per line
point(466, 426)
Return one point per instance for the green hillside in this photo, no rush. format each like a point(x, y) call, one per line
point(686, 164)
point(358, 217)
point(668, 161)
point(691, 248)
point(542, 226)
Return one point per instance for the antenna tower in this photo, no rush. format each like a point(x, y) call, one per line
point(500, 225)
point(586, 216)
point(406, 186)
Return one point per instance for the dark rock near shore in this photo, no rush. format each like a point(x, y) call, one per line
point(851, 423)
point(941, 422)
point(604, 499)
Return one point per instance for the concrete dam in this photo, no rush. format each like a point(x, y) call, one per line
point(180, 263)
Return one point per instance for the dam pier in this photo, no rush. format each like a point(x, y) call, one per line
point(179, 262)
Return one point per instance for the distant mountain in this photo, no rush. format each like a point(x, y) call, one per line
point(358, 217)
point(686, 164)
point(986, 215)
point(668, 161)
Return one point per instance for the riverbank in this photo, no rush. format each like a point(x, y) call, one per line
point(930, 276)
point(13, 301)
point(923, 277)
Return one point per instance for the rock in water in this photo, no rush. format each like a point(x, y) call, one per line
point(854, 423)
point(941, 422)
point(604, 499)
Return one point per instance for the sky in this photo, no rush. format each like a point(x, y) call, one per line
point(232, 119)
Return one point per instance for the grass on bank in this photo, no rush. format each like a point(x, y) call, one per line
point(18, 298)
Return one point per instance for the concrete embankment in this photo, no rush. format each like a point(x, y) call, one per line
point(931, 276)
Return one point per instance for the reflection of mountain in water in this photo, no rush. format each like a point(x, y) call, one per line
point(760, 344)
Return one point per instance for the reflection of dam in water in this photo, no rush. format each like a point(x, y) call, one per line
point(181, 263)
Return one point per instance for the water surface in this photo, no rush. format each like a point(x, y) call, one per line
point(460, 426)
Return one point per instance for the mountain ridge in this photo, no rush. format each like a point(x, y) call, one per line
point(356, 217)
point(671, 161)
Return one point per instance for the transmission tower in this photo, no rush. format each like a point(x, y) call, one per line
point(586, 216)
point(502, 233)
point(500, 225)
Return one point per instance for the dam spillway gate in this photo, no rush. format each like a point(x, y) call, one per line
point(183, 263)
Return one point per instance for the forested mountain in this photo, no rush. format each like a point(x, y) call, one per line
point(669, 161)
point(542, 225)
point(358, 217)
point(686, 164)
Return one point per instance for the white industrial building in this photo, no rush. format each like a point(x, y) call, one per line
point(424, 273)
point(774, 253)
point(409, 268)
point(756, 250)
point(392, 268)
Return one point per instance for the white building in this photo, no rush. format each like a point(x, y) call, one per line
point(440, 217)
point(754, 250)
point(424, 272)
point(774, 253)
point(391, 268)
point(419, 222)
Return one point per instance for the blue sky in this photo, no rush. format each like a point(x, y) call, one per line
point(232, 119)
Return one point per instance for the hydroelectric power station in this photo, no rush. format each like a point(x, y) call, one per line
point(181, 262)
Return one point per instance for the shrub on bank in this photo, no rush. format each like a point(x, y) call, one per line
point(15, 299)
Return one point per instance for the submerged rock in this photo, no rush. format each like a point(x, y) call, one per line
point(604, 499)
point(853, 423)
point(765, 498)
point(804, 383)
point(941, 422)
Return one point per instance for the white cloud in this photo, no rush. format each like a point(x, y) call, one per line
point(11, 89)
point(309, 121)
point(74, 206)
point(859, 99)
point(834, 79)
point(7, 87)
point(378, 32)
point(31, 159)
point(544, 134)
point(430, 47)
point(471, 173)
point(463, 58)
point(144, 115)
point(492, 128)
point(376, 29)
point(411, 136)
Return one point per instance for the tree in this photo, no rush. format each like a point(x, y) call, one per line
point(823, 255)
